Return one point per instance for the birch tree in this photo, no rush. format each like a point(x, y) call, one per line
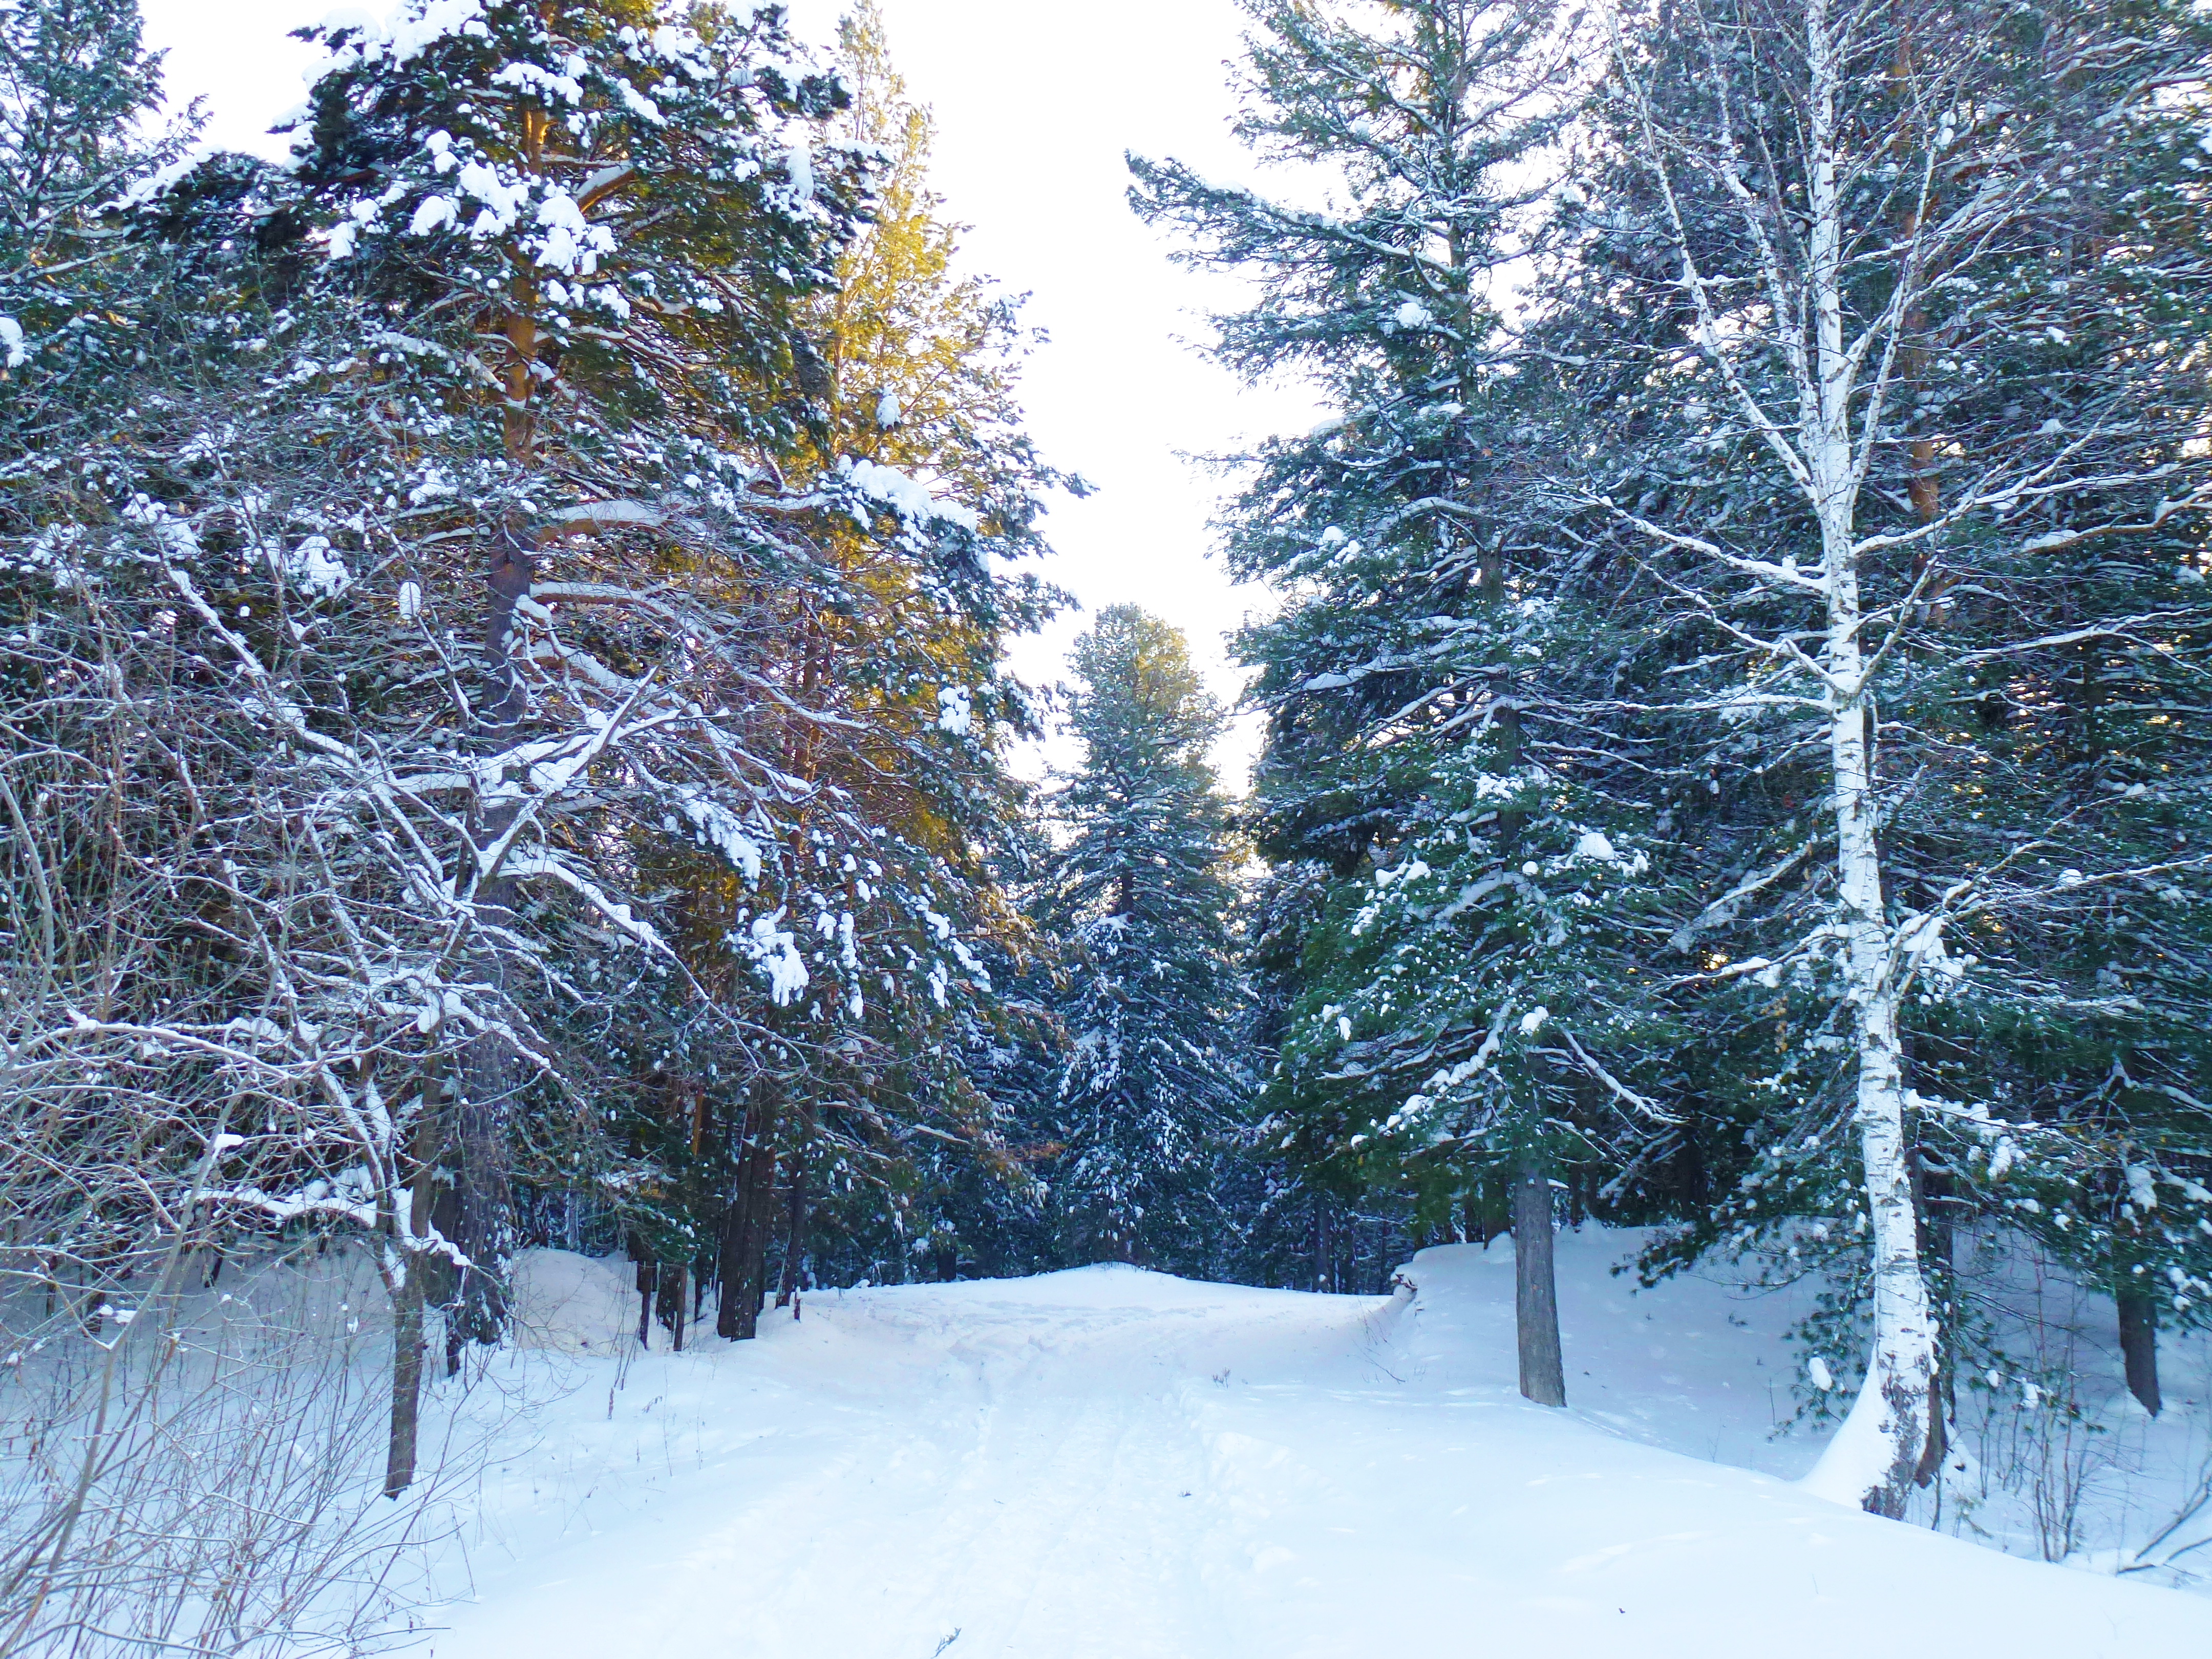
point(1827, 201)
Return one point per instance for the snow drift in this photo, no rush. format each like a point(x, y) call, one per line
point(1115, 1463)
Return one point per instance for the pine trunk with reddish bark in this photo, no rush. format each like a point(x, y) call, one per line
point(745, 1231)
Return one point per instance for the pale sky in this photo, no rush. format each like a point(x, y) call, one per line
point(1036, 102)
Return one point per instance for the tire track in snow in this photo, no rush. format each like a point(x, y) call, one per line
point(1008, 1459)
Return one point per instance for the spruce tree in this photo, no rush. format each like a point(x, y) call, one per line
point(1458, 986)
point(78, 92)
point(1155, 1080)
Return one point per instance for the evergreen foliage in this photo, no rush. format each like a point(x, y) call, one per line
point(2030, 544)
point(1567, 581)
point(1455, 929)
point(77, 92)
point(546, 750)
point(1154, 1085)
point(509, 733)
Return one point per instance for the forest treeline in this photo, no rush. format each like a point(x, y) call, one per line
point(1737, 728)
point(509, 738)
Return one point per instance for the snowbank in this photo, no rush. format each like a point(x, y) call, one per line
point(1115, 1463)
point(574, 1305)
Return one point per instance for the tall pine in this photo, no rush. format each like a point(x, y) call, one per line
point(1155, 1079)
point(1445, 919)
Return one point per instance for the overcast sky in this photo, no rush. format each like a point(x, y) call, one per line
point(1036, 101)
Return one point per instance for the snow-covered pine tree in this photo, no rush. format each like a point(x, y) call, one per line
point(1155, 1076)
point(922, 360)
point(77, 90)
point(619, 219)
point(612, 215)
point(1886, 409)
point(434, 837)
point(1418, 734)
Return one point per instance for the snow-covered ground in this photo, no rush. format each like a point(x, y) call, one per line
point(1114, 1463)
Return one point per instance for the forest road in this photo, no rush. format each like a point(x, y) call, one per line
point(1112, 1464)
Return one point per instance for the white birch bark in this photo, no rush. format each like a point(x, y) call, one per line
point(1875, 1457)
point(1884, 1444)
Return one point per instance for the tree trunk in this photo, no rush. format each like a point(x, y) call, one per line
point(422, 1280)
point(729, 1270)
point(760, 1224)
point(795, 1240)
point(1535, 1281)
point(491, 1070)
point(2139, 1346)
point(484, 1229)
point(1884, 1441)
point(1937, 1242)
point(746, 1231)
point(674, 1298)
point(406, 1385)
point(1876, 1456)
point(1536, 1290)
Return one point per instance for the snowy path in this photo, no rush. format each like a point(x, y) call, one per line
point(1112, 1463)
